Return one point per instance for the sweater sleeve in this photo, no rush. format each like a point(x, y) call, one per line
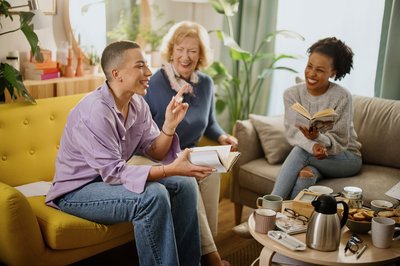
point(339, 136)
point(213, 130)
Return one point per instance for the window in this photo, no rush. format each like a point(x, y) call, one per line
point(357, 23)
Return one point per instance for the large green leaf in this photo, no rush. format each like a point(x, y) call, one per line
point(224, 7)
point(27, 29)
point(237, 52)
point(11, 80)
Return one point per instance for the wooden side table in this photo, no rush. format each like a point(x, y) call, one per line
point(371, 256)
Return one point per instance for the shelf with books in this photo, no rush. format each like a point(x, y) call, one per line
point(61, 86)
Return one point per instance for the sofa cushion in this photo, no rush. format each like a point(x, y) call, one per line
point(367, 179)
point(377, 123)
point(254, 177)
point(271, 132)
point(64, 231)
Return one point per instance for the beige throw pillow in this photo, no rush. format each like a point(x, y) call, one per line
point(271, 131)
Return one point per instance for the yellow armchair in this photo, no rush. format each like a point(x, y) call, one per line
point(32, 233)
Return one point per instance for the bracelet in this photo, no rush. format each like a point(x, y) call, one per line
point(168, 135)
point(163, 169)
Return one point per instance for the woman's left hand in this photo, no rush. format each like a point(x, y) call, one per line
point(228, 140)
point(176, 110)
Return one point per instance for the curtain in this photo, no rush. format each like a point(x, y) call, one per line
point(387, 83)
point(255, 19)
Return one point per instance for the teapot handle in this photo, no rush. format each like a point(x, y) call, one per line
point(345, 213)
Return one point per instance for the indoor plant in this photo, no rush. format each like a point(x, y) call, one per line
point(94, 61)
point(10, 78)
point(237, 91)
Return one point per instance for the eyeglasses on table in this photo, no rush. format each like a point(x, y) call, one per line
point(293, 214)
point(352, 244)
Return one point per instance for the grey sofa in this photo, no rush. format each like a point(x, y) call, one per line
point(263, 146)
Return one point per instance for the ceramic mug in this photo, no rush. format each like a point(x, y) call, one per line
point(273, 202)
point(382, 230)
point(264, 220)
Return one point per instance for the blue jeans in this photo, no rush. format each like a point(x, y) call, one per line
point(289, 183)
point(164, 216)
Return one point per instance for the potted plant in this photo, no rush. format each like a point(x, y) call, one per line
point(94, 61)
point(10, 78)
point(237, 91)
point(153, 37)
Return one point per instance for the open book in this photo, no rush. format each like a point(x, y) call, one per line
point(322, 120)
point(218, 157)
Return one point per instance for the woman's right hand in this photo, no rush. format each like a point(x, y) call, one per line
point(320, 151)
point(183, 167)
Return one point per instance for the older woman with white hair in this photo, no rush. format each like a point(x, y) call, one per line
point(185, 50)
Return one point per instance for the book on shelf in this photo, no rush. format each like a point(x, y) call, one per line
point(219, 157)
point(42, 76)
point(41, 71)
point(43, 65)
point(322, 120)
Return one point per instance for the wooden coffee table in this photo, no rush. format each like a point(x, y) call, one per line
point(371, 256)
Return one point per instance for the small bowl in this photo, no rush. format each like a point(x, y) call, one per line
point(358, 227)
point(380, 205)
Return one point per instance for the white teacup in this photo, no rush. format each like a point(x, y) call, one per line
point(382, 230)
point(273, 202)
point(320, 189)
point(380, 205)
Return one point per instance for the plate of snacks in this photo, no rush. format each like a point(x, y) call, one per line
point(359, 220)
point(391, 213)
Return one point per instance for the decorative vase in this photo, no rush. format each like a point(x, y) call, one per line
point(79, 67)
point(69, 70)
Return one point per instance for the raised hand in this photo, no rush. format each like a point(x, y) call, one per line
point(176, 110)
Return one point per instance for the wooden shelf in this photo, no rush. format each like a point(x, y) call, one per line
point(61, 86)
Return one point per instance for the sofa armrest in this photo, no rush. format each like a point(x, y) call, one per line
point(20, 235)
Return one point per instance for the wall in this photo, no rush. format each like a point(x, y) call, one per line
point(51, 37)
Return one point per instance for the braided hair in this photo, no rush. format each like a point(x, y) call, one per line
point(341, 54)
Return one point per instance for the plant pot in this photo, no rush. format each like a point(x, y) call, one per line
point(94, 69)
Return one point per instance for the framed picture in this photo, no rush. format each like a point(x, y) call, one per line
point(49, 7)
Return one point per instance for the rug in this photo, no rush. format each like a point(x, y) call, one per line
point(246, 255)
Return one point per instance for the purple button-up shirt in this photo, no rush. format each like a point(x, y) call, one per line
point(96, 143)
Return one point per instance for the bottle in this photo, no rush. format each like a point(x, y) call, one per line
point(13, 59)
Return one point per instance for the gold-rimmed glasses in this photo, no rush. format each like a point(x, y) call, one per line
point(293, 214)
point(352, 244)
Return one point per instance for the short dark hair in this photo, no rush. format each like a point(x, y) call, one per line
point(341, 54)
point(113, 55)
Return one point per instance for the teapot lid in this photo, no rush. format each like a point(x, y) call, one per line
point(325, 204)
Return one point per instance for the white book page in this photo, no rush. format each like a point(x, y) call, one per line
point(394, 192)
point(207, 158)
point(35, 189)
point(222, 150)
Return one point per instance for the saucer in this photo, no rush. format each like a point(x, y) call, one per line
point(321, 189)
